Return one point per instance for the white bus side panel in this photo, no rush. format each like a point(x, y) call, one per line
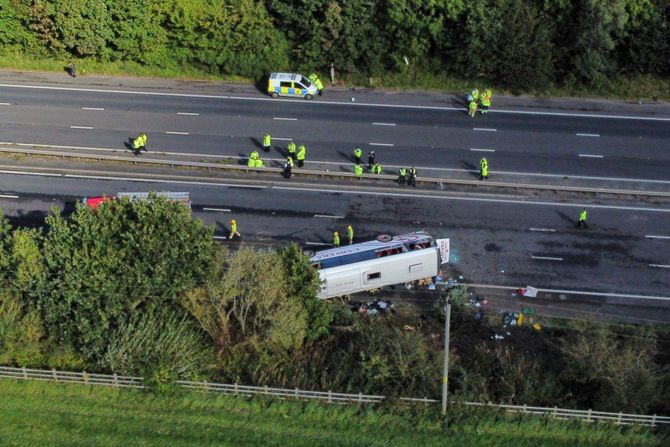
point(385, 271)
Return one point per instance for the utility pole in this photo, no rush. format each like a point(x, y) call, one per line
point(445, 373)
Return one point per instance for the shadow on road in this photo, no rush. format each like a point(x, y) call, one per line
point(346, 156)
point(472, 169)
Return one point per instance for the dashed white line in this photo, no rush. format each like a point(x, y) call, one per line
point(282, 139)
point(5, 104)
point(171, 132)
point(546, 230)
point(278, 118)
point(328, 216)
point(474, 149)
point(588, 135)
point(188, 114)
point(317, 243)
point(93, 108)
point(38, 174)
point(8, 196)
point(220, 210)
point(653, 236)
point(484, 129)
point(383, 124)
point(547, 258)
point(220, 237)
point(81, 127)
point(591, 156)
point(381, 144)
point(660, 266)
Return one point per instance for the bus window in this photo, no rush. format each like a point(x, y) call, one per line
point(372, 276)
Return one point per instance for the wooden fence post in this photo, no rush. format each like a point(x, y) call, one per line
point(588, 415)
point(330, 397)
point(54, 374)
point(85, 376)
point(115, 380)
point(25, 373)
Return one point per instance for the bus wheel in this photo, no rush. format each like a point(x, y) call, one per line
point(308, 253)
point(308, 96)
point(274, 94)
point(384, 238)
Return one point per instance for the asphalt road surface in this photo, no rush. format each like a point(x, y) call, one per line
point(496, 239)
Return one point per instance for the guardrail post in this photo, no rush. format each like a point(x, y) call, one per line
point(115, 380)
point(265, 390)
point(25, 373)
point(297, 394)
point(653, 421)
point(235, 387)
point(555, 411)
point(85, 376)
point(330, 397)
point(425, 400)
point(588, 416)
point(360, 397)
point(618, 420)
point(525, 410)
point(54, 374)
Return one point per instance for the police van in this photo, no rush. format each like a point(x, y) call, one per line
point(291, 84)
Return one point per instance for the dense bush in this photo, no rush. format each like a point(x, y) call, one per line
point(514, 43)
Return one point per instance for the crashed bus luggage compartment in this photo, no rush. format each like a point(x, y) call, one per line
point(374, 264)
point(182, 197)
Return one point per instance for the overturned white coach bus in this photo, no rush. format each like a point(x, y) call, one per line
point(386, 261)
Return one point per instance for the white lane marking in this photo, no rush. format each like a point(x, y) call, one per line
point(341, 103)
point(653, 236)
point(484, 129)
point(474, 149)
point(546, 258)
point(221, 210)
point(317, 243)
point(8, 196)
point(188, 114)
point(588, 135)
point(81, 127)
point(473, 199)
point(660, 266)
point(381, 144)
point(92, 108)
point(575, 292)
point(383, 124)
point(591, 156)
point(39, 174)
point(278, 118)
point(171, 132)
point(282, 139)
point(328, 216)
point(5, 104)
point(546, 230)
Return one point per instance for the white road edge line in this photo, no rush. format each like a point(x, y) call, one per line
point(8, 196)
point(172, 132)
point(383, 124)
point(5, 104)
point(547, 258)
point(278, 118)
point(660, 266)
point(474, 149)
point(575, 292)
point(653, 236)
point(588, 135)
point(92, 108)
point(327, 216)
point(81, 127)
point(591, 156)
point(341, 103)
point(188, 113)
point(150, 180)
point(39, 174)
point(484, 129)
point(547, 230)
point(221, 210)
point(381, 144)
point(316, 243)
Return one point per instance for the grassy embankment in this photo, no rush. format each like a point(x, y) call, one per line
point(637, 88)
point(38, 413)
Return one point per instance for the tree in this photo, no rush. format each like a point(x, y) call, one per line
point(138, 30)
point(124, 258)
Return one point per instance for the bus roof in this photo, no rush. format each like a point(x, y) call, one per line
point(370, 246)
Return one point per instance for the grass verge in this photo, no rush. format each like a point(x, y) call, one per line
point(638, 88)
point(39, 413)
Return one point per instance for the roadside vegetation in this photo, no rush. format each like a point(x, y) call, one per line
point(612, 48)
point(140, 288)
point(36, 413)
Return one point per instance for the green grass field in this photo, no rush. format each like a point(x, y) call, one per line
point(46, 414)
